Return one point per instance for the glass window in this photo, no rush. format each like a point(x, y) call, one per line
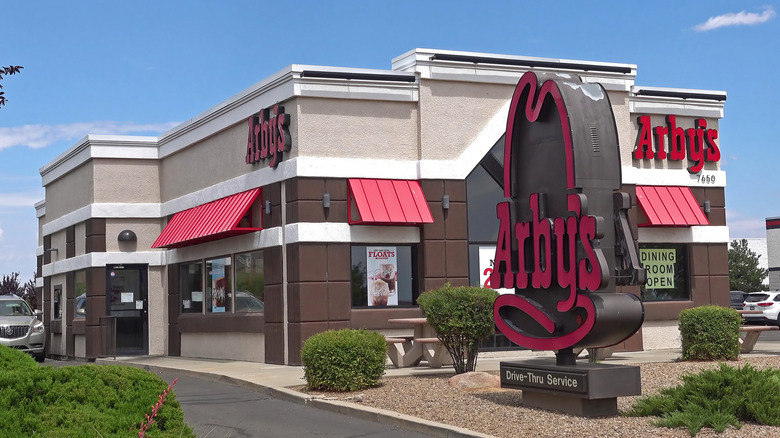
point(218, 285)
point(384, 275)
point(667, 271)
point(249, 282)
point(191, 287)
point(81, 294)
point(57, 300)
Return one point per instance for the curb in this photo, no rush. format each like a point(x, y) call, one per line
point(374, 415)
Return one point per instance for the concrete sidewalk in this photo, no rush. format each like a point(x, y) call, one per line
point(276, 380)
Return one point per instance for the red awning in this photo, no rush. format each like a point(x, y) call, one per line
point(670, 206)
point(212, 221)
point(386, 201)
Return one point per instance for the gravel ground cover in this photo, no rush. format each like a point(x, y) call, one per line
point(500, 412)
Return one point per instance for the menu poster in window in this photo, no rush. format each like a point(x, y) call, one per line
point(382, 278)
point(218, 283)
point(659, 265)
point(486, 256)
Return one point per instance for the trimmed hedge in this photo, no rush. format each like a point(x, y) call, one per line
point(82, 401)
point(462, 317)
point(710, 333)
point(344, 360)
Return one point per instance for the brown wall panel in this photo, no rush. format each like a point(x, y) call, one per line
point(716, 196)
point(665, 310)
point(698, 256)
point(339, 301)
point(94, 306)
point(96, 227)
point(700, 290)
point(718, 256)
point(222, 323)
point(719, 290)
point(373, 319)
point(95, 244)
point(339, 262)
point(274, 343)
point(457, 256)
point(433, 264)
point(274, 305)
point(94, 341)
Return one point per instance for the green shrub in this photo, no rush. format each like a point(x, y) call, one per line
point(82, 401)
point(710, 333)
point(716, 398)
point(462, 317)
point(344, 360)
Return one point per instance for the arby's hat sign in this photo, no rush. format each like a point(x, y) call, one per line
point(564, 241)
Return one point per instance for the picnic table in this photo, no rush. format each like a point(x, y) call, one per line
point(424, 344)
point(749, 333)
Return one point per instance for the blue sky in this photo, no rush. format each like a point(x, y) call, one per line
point(140, 67)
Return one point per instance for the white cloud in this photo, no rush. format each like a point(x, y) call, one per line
point(20, 199)
point(741, 226)
point(40, 136)
point(742, 18)
point(1, 234)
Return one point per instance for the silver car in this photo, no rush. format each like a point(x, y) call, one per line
point(20, 327)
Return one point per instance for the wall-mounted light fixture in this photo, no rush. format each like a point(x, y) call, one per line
point(326, 200)
point(707, 207)
point(445, 202)
point(267, 207)
point(127, 236)
point(51, 250)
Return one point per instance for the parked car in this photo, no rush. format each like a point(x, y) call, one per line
point(20, 327)
point(737, 299)
point(246, 302)
point(81, 306)
point(767, 302)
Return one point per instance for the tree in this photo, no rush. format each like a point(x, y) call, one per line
point(462, 317)
point(10, 70)
point(744, 273)
point(10, 285)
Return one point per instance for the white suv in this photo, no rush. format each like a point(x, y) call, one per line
point(20, 327)
point(767, 302)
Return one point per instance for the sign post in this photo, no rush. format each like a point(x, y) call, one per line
point(564, 244)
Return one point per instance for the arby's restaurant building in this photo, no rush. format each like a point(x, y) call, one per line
point(328, 198)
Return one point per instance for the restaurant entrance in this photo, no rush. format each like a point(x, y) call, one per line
point(127, 302)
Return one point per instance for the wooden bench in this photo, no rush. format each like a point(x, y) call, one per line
point(752, 332)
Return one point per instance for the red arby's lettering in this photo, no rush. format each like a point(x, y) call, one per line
point(675, 143)
point(269, 137)
point(553, 245)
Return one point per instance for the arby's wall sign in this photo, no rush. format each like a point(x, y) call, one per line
point(564, 241)
point(269, 136)
point(675, 143)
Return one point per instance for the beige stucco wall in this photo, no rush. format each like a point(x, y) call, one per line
point(626, 131)
point(452, 114)
point(125, 180)
point(657, 335)
point(356, 128)
point(158, 312)
point(71, 192)
point(58, 240)
point(232, 346)
point(81, 238)
point(147, 231)
point(213, 160)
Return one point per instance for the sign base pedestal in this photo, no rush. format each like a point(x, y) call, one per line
point(586, 390)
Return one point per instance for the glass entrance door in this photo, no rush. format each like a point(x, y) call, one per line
point(126, 287)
